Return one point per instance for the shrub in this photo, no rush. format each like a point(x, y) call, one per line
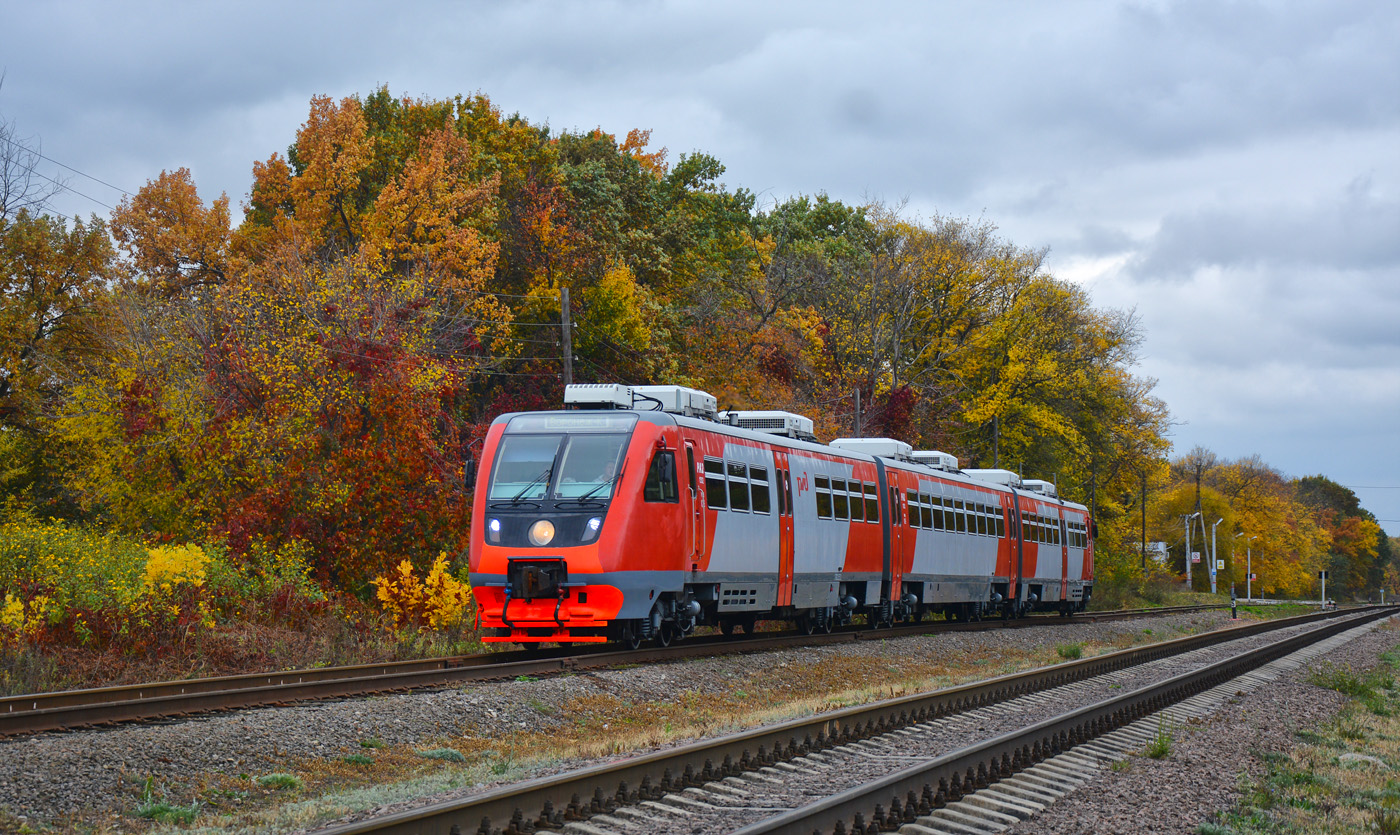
point(1069, 652)
point(437, 602)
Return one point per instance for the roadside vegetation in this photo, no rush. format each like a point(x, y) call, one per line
point(1342, 777)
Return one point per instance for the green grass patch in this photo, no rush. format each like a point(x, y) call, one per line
point(279, 781)
point(358, 759)
point(1160, 745)
point(447, 754)
point(1069, 652)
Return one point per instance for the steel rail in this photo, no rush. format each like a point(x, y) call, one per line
point(72, 709)
point(549, 802)
point(949, 777)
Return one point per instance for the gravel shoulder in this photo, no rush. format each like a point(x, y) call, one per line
point(505, 730)
point(1211, 760)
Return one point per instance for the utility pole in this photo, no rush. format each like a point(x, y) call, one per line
point(566, 336)
point(1143, 501)
point(1189, 586)
point(1214, 554)
point(858, 431)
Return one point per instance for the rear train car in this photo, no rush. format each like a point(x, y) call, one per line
point(642, 513)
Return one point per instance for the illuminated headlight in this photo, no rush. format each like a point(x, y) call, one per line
point(590, 531)
point(493, 530)
point(542, 532)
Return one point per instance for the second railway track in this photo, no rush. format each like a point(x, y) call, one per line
point(755, 778)
point(66, 710)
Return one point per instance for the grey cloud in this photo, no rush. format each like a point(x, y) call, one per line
point(1356, 230)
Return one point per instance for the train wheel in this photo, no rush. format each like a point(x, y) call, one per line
point(630, 638)
point(665, 635)
point(807, 623)
point(726, 626)
point(749, 624)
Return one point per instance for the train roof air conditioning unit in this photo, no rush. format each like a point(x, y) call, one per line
point(1044, 488)
point(882, 447)
point(598, 396)
point(936, 460)
point(1003, 477)
point(676, 400)
point(786, 424)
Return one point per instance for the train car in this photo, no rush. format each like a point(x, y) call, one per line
point(642, 512)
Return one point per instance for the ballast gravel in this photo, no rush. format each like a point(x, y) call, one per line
point(1208, 762)
point(87, 775)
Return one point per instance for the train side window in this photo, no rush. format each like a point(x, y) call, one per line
point(690, 467)
point(914, 521)
point(823, 497)
point(936, 513)
point(981, 522)
point(959, 517)
point(787, 493)
point(716, 493)
point(839, 503)
point(738, 486)
point(895, 516)
point(758, 488)
point(857, 504)
point(872, 504)
point(1001, 524)
point(661, 479)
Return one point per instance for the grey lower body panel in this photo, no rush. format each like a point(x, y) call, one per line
point(948, 588)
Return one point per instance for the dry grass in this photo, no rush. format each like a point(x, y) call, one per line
point(1313, 790)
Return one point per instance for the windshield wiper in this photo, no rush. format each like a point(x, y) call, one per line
point(586, 496)
point(544, 476)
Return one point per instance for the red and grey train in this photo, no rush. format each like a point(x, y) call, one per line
point(642, 512)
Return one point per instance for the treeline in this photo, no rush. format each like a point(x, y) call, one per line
point(1284, 529)
point(313, 376)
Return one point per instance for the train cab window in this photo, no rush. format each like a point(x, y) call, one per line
point(716, 493)
point(839, 503)
point(823, 492)
point(872, 504)
point(758, 490)
point(857, 504)
point(661, 479)
point(738, 486)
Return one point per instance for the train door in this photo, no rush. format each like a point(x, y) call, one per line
point(697, 508)
point(783, 478)
point(1064, 558)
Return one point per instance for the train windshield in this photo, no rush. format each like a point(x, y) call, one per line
point(580, 463)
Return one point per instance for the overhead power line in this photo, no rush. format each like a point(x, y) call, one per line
point(28, 149)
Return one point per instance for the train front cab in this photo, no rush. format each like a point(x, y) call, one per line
point(561, 492)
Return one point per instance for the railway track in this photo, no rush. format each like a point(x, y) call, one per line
point(912, 761)
point(75, 709)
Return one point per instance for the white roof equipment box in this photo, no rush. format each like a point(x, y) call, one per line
point(786, 424)
point(676, 400)
point(1005, 477)
point(1045, 488)
point(936, 460)
point(882, 447)
point(598, 396)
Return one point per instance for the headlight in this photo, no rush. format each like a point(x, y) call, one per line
point(493, 530)
point(542, 532)
point(590, 531)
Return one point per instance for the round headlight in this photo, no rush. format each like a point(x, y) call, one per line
point(542, 532)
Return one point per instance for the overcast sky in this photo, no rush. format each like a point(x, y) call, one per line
point(1231, 170)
